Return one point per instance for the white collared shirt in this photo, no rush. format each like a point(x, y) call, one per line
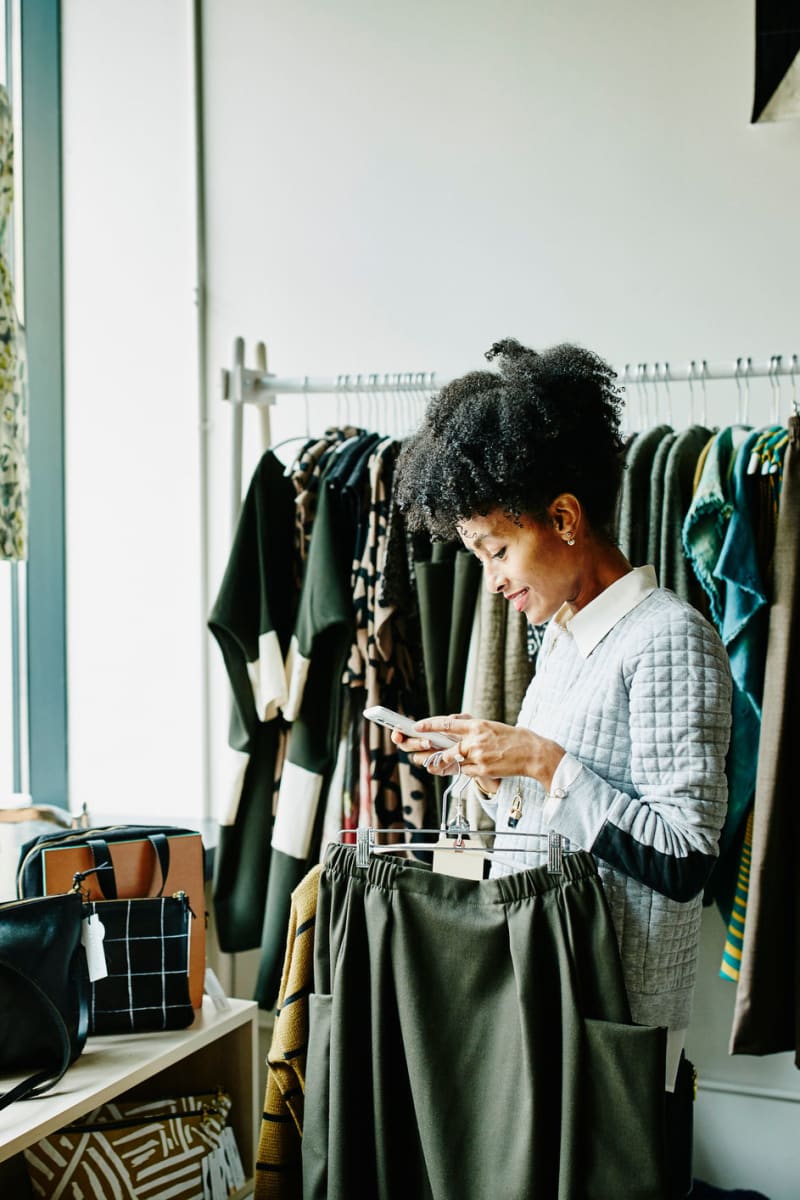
point(590, 624)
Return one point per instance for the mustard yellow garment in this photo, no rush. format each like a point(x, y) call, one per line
point(278, 1165)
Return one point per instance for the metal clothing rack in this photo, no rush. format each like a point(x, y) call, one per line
point(258, 386)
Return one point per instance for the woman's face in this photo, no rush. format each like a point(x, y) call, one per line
point(529, 562)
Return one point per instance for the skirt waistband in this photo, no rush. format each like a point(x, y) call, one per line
point(391, 872)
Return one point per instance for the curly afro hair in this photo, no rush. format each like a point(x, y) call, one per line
point(543, 424)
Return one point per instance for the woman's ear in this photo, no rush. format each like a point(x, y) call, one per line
point(566, 513)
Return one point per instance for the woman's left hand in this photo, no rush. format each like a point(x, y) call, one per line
point(491, 749)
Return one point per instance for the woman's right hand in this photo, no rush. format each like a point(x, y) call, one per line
point(424, 754)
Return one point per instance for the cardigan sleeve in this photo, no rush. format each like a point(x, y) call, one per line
point(665, 832)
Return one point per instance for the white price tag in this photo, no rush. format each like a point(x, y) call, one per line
point(467, 864)
point(215, 990)
point(92, 933)
point(236, 1176)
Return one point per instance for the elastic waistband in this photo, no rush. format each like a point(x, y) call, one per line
point(391, 872)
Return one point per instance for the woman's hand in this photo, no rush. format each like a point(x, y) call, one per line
point(486, 750)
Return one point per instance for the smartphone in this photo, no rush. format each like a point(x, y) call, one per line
point(393, 720)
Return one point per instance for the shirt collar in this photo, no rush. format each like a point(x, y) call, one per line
point(590, 624)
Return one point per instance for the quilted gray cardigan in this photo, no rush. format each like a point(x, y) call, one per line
point(647, 714)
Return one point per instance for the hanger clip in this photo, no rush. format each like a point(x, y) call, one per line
point(364, 839)
point(557, 846)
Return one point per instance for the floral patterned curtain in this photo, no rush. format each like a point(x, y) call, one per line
point(13, 383)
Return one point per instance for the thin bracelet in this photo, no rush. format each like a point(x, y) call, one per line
point(483, 791)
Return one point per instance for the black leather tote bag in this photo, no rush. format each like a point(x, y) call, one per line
point(44, 990)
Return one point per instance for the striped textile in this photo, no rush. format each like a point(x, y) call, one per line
point(132, 1150)
point(734, 940)
point(278, 1164)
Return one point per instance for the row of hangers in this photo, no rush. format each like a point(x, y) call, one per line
point(652, 383)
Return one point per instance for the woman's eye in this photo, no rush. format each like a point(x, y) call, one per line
point(500, 553)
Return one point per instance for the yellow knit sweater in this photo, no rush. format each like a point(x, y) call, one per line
point(278, 1173)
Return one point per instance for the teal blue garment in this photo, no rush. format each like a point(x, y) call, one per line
point(743, 626)
point(744, 619)
point(706, 521)
point(704, 532)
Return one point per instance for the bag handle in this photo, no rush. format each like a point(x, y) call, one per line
point(104, 866)
point(43, 1080)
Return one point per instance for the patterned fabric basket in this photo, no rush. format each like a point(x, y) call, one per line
point(142, 1150)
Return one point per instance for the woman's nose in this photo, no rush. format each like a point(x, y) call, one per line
point(493, 578)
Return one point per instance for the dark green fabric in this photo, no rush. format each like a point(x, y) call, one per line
point(655, 504)
point(255, 597)
point(252, 600)
point(676, 571)
point(242, 856)
point(466, 582)
point(324, 632)
point(635, 494)
point(473, 1039)
point(435, 598)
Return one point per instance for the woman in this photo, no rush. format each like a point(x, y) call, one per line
point(621, 741)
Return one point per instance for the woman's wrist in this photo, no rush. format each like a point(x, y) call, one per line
point(549, 755)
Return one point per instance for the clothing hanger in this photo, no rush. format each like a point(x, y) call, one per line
point(457, 836)
point(774, 368)
point(743, 396)
point(661, 375)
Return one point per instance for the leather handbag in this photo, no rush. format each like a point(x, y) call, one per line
point(138, 951)
point(43, 992)
point(182, 1147)
point(148, 860)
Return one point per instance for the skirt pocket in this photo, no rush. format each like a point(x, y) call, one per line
point(619, 1133)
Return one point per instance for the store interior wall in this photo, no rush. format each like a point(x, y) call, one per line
point(389, 188)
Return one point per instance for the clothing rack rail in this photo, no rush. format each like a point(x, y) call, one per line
point(258, 386)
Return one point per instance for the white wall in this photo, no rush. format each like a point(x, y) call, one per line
point(393, 187)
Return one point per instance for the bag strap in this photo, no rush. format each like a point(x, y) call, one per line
point(104, 866)
point(43, 1080)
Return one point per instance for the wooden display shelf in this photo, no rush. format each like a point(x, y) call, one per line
point(218, 1049)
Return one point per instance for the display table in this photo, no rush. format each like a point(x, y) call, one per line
point(219, 1049)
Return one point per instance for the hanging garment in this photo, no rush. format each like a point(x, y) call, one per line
point(758, 501)
point(278, 1174)
point(320, 645)
point(306, 472)
point(767, 1012)
point(397, 793)
point(252, 621)
point(743, 628)
point(14, 472)
point(633, 506)
point(707, 519)
point(674, 570)
point(499, 666)
point(447, 582)
point(655, 504)
point(473, 1039)
point(448, 590)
